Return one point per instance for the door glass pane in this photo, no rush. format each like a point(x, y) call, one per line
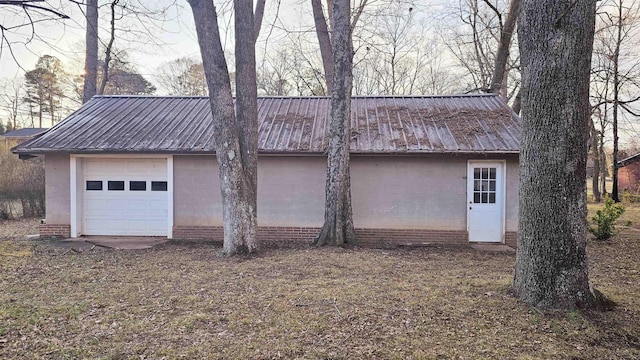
point(115, 185)
point(485, 185)
point(158, 186)
point(137, 185)
point(94, 185)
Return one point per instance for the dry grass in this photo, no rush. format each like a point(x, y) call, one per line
point(185, 301)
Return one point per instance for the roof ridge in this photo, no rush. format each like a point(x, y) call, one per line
point(307, 97)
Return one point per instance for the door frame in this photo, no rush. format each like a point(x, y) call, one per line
point(76, 184)
point(503, 189)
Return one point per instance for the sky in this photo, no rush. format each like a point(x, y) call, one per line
point(163, 31)
point(167, 33)
point(172, 32)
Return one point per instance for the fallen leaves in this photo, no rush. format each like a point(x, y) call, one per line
point(182, 300)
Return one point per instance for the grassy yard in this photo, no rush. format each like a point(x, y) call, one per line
point(182, 300)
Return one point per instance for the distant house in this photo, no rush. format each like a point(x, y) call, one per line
point(18, 136)
point(629, 174)
point(423, 169)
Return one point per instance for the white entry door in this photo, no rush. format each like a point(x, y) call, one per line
point(124, 197)
point(485, 201)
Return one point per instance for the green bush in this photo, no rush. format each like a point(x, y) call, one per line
point(604, 221)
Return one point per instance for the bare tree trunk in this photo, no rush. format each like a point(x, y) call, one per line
point(91, 53)
point(107, 52)
point(338, 217)
point(258, 18)
point(502, 55)
point(556, 40)
point(616, 100)
point(51, 108)
point(517, 102)
point(595, 153)
point(237, 183)
point(247, 109)
point(322, 32)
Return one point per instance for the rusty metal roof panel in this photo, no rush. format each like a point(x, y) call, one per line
point(379, 124)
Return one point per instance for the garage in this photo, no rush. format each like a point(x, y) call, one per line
point(124, 197)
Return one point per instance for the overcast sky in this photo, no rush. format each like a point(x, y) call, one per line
point(163, 38)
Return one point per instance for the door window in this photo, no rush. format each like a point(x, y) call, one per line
point(484, 185)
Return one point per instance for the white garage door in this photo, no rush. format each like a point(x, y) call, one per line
point(124, 197)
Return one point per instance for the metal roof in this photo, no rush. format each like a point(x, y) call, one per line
point(26, 132)
point(480, 123)
point(629, 160)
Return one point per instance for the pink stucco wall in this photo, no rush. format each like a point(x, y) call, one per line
point(388, 192)
point(58, 204)
point(392, 192)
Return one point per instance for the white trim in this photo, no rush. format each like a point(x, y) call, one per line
point(503, 164)
point(124, 156)
point(76, 223)
point(170, 196)
point(73, 195)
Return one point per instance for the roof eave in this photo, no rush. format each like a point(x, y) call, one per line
point(261, 152)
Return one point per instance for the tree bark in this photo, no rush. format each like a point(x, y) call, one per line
point(616, 101)
point(556, 40)
point(233, 151)
point(502, 55)
point(91, 53)
point(338, 218)
point(517, 102)
point(595, 154)
point(258, 18)
point(326, 50)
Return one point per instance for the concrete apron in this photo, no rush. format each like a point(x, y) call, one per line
point(493, 247)
point(114, 242)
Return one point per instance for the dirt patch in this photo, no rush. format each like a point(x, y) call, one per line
point(185, 300)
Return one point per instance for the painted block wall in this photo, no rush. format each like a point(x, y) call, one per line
point(58, 201)
point(392, 192)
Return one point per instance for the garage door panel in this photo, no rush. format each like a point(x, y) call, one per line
point(125, 212)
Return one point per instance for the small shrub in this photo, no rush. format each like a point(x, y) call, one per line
point(604, 220)
point(629, 197)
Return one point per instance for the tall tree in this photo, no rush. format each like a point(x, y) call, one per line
point(105, 66)
point(43, 91)
point(502, 54)
point(236, 131)
point(618, 69)
point(91, 52)
point(615, 83)
point(324, 40)
point(338, 226)
point(481, 41)
point(556, 40)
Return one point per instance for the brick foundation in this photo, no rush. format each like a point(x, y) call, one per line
point(511, 239)
point(54, 230)
point(297, 235)
point(304, 235)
